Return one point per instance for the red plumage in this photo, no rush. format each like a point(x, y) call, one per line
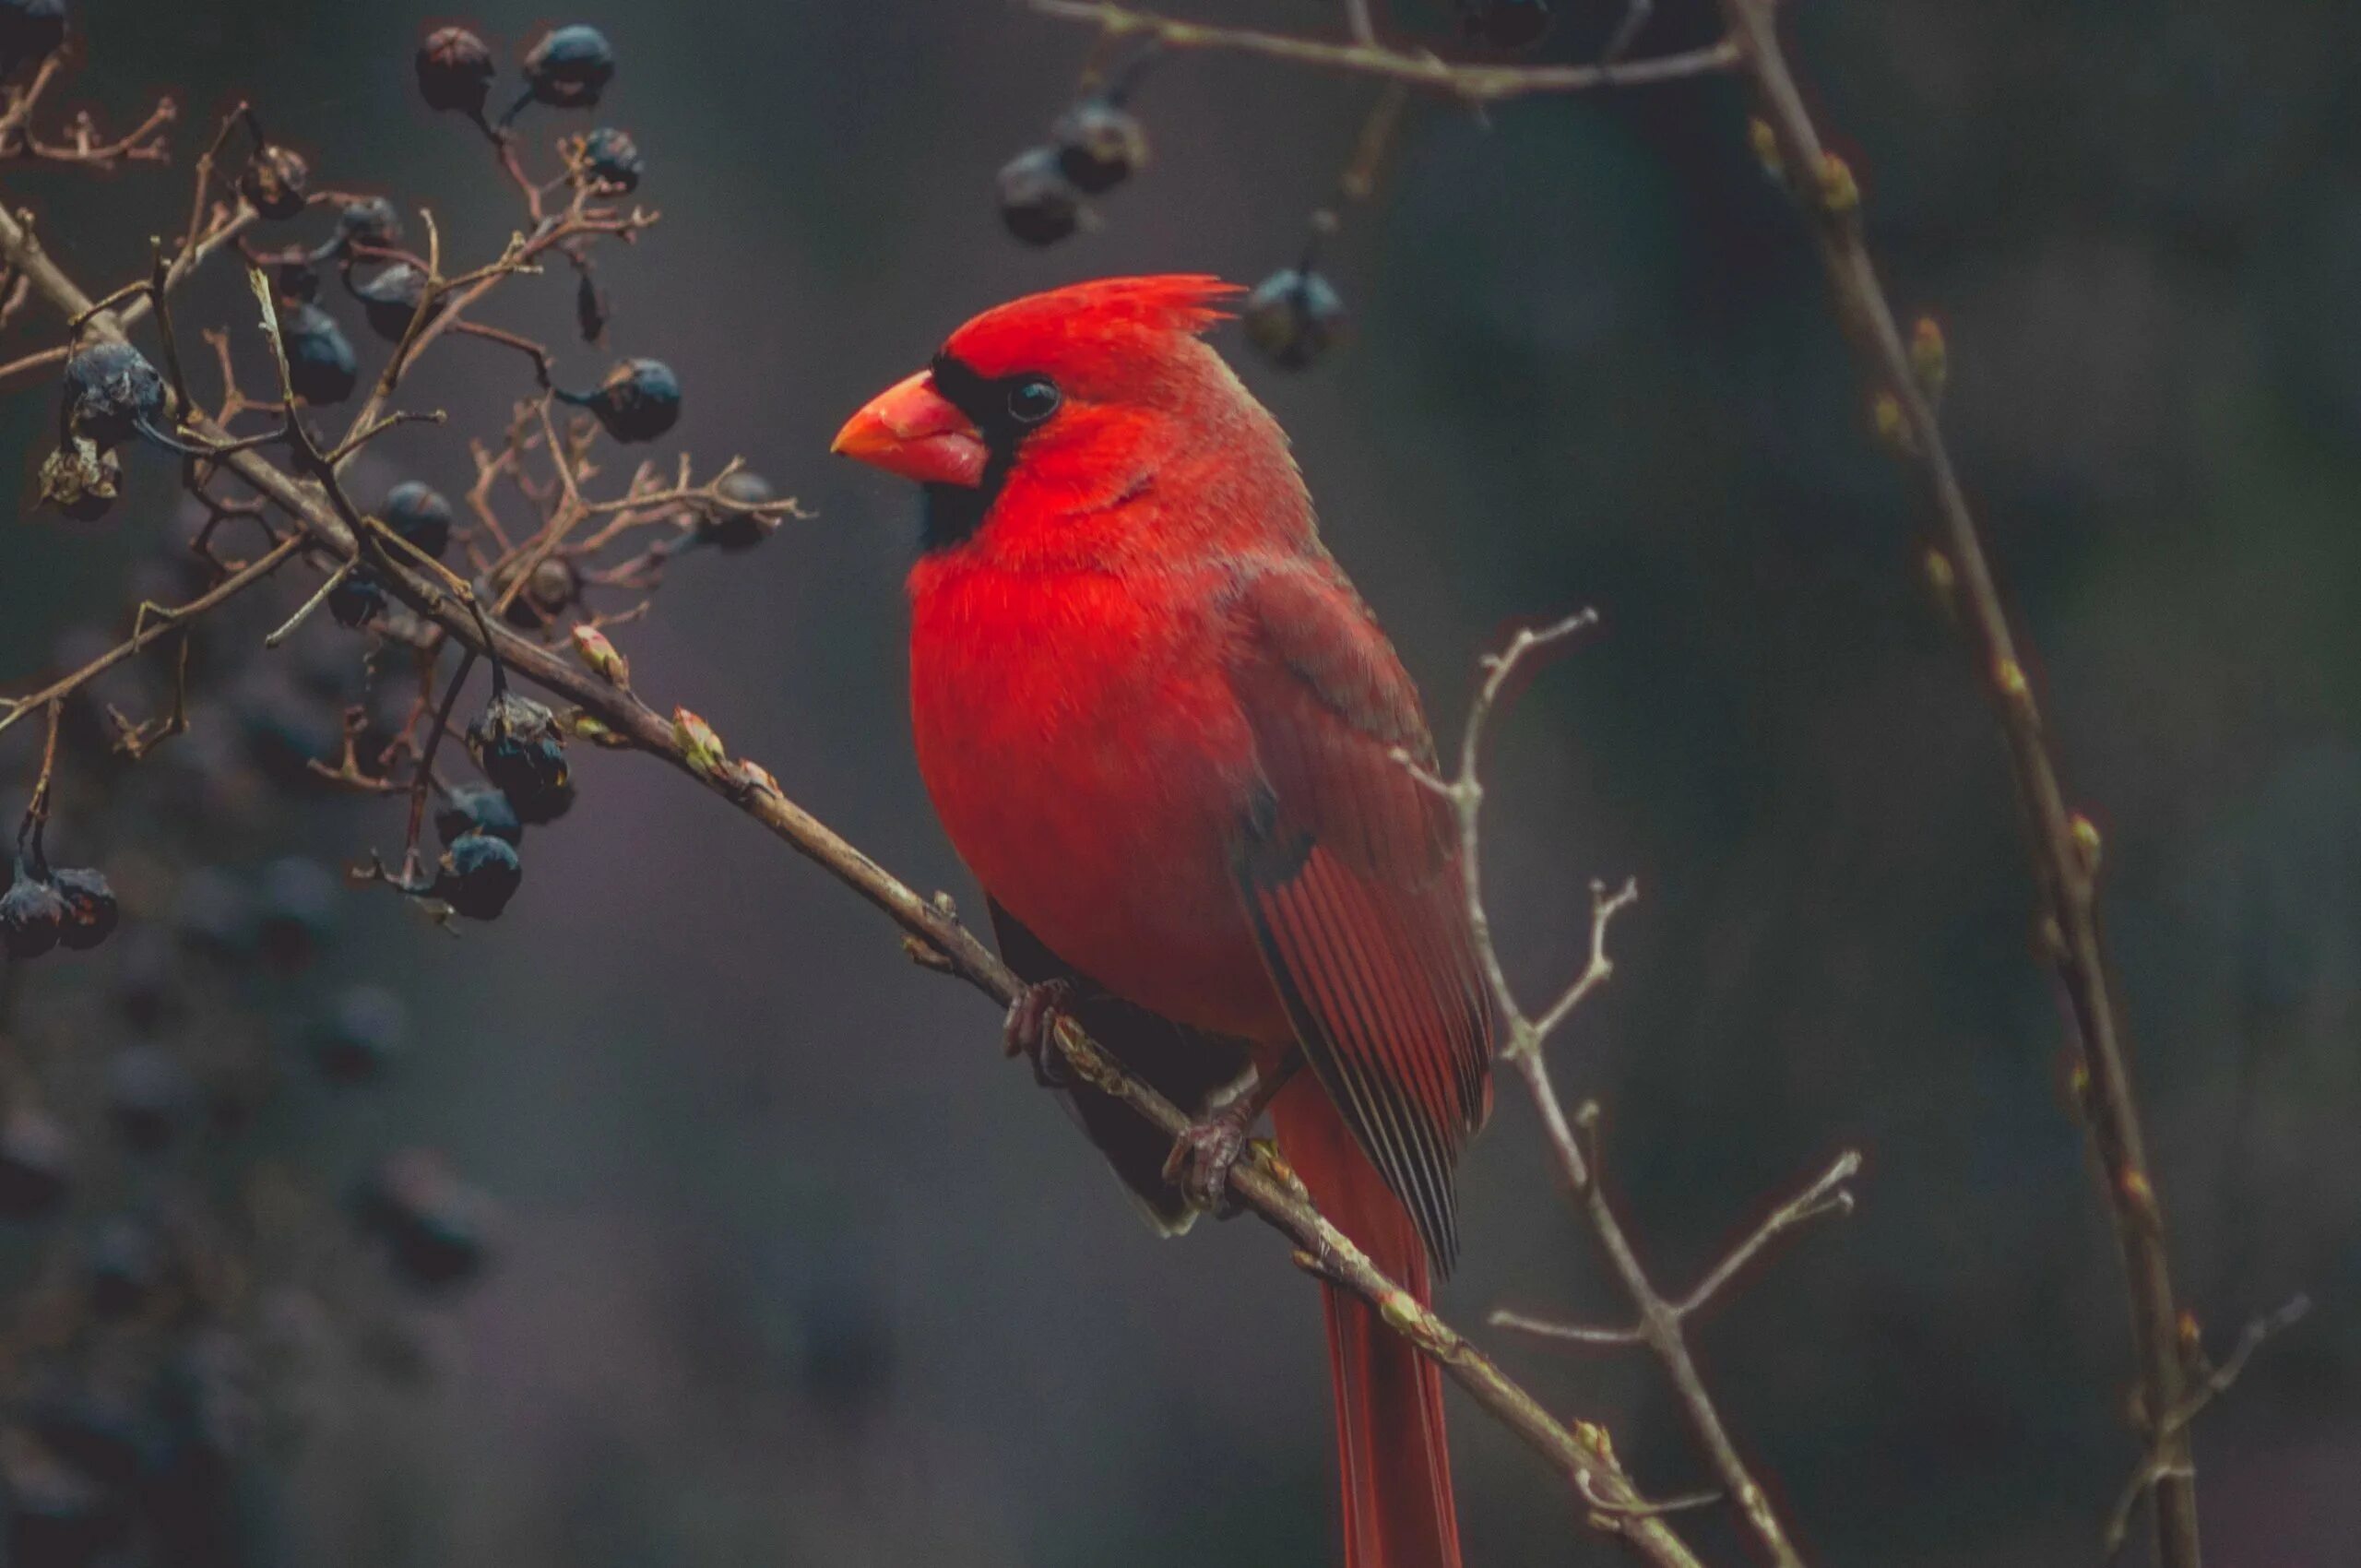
point(1163, 731)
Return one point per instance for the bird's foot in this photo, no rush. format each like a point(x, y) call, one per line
point(1030, 1030)
point(1201, 1156)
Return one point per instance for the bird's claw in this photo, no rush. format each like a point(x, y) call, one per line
point(1201, 1160)
point(1031, 1028)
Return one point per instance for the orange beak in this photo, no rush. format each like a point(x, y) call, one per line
point(911, 430)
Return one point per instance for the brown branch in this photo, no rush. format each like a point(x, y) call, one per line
point(1660, 1325)
point(2064, 870)
point(326, 520)
point(1479, 84)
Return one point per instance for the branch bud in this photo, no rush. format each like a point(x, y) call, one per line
point(1930, 359)
point(700, 747)
point(1765, 142)
point(1893, 425)
point(2010, 676)
point(2087, 843)
point(602, 658)
point(1840, 194)
point(2139, 1194)
point(1942, 577)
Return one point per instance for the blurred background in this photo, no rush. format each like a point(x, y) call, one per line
point(789, 1267)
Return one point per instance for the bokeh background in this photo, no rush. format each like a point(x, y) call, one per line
point(794, 1268)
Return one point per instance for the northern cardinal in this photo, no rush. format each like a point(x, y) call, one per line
point(1167, 737)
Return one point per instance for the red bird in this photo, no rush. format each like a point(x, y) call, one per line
point(1164, 731)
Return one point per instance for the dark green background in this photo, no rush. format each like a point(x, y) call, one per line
point(745, 1149)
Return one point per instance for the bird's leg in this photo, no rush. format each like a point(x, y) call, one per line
point(1031, 1029)
point(1199, 1164)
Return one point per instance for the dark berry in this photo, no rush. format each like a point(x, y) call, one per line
point(32, 915)
point(516, 741)
point(478, 876)
point(319, 357)
point(455, 72)
point(293, 280)
point(569, 68)
point(590, 308)
point(368, 221)
point(613, 159)
point(1099, 146)
point(298, 911)
point(639, 401)
point(91, 913)
point(418, 512)
point(147, 977)
point(554, 587)
point(1037, 203)
point(35, 1165)
point(126, 1267)
point(361, 1036)
point(478, 808)
point(1294, 317)
point(434, 1227)
point(275, 182)
point(215, 916)
point(31, 31)
point(150, 1096)
point(729, 527)
point(390, 300)
point(358, 599)
point(1505, 24)
point(112, 393)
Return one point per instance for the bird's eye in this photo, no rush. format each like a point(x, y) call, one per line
point(1033, 399)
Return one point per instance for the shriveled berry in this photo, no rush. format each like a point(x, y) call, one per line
point(1099, 145)
point(611, 159)
point(32, 915)
point(150, 1096)
point(1295, 316)
point(1037, 203)
point(276, 183)
point(370, 221)
point(390, 300)
point(570, 67)
point(357, 598)
point(590, 308)
point(111, 393)
point(91, 913)
point(436, 1228)
point(455, 72)
point(319, 357)
point(297, 909)
point(729, 527)
point(639, 401)
point(418, 512)
point(35, 1165)
point(478, 808)
point(517, 742)
point(1505, 24)
point(478, 876)
point(31, 31)
point(81, 480)
point(361, 1036)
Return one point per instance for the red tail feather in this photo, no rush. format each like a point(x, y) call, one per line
point(1390, 1447)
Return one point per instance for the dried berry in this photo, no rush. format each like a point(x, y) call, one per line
point(33, 914)
point(478, 876)
point(1099, 145)
point(613, 159)
point(81, 480)
point(1294, 316)
point(437, 1228)
point(276, 183)
point(569, 68)
point(590, 308)
point(358, 598)
point(478, 808)
point(91, 913)
point(360, 1038)
point(390, 300)
point(421, 516)
point(149, 1097)
point(1037, 203)
point(113, 394)
point(639, 401)
point(455, 72)
point(35, 1165)
point(731, 528)
point(31, 31)
point(553, 587)
point(319, 357)
point(1505, 24)
point(368, 221)
point(517, 742)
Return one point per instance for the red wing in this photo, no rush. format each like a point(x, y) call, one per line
point(1349, 870)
